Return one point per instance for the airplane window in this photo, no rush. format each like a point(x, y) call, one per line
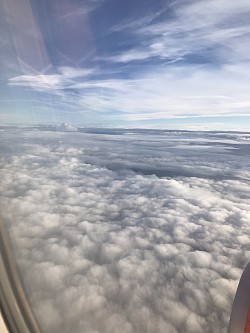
point(125, 164)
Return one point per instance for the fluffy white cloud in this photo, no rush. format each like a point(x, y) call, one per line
point(106, 245)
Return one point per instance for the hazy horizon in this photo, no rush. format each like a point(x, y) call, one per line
point(59, 126)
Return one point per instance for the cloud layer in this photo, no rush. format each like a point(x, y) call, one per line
point(106, 245)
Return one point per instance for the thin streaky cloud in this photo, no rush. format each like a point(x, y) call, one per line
point(195, 27)
point(101, 57)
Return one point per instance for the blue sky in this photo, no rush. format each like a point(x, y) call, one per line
point(114, 63)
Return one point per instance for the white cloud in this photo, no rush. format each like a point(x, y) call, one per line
point(162, 94)
point(172, 85)
point(37, 82)
point(51, 82)
point(194, 28)
point(103, 248)
point(168, 93)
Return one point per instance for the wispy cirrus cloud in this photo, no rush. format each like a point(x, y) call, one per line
point(186, 59)
point(50, 82)
point(195, 91)
point(209, 27)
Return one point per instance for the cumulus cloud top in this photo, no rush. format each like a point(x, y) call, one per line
point(136, 232)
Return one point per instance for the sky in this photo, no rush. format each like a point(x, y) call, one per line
point(114, 63)
point(127, 232)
